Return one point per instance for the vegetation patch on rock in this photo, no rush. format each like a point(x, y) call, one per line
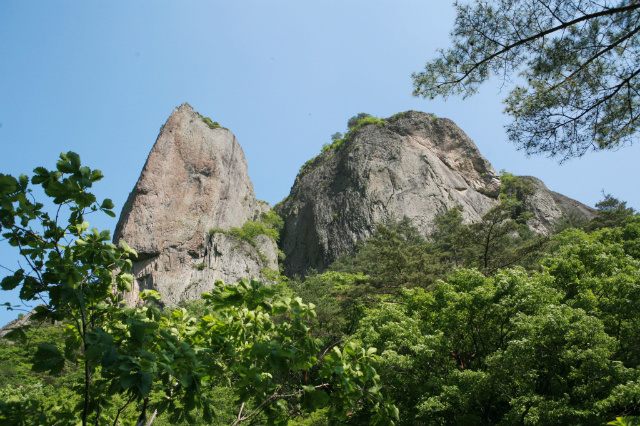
point(354, 124)
point(269, 224)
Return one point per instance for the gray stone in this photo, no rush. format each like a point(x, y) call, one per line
point(548, 206)
point(416, 166)
point(195, 179)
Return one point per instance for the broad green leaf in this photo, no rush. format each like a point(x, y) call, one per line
point(145, 381)
point(107, 204)
point(12, 281)
point(109, 358)
point(74, 159)
point(8, 184)
point(16, 334)
point(129, 381)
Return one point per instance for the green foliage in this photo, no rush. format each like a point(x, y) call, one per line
point(611, 213)
point(517, 191)
point(498, 350)
point(269, 224)
point(364, 122)
point(497, 241)
point(625, 421)
point(395, 256)
point(250, 230)
point(447, 237)
point(171, 364)
point(401, 114)
point(484, 346)
point(200, 266)
point(16, 357)
point(595, 273)
point(353, 121)
point(569, 220)
point(332, 292)
point(212, 125)
point(35, 404)
point(574, 95)
point(275, 363)
point(336, 136)
point(272, 221)
point(355, 124)
point(75, 271)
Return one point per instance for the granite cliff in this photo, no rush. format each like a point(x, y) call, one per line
point(195, 179)
point(412, 164)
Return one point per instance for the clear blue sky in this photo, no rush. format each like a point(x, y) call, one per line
point(100, 78)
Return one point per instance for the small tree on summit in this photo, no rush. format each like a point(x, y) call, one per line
point(353, 121)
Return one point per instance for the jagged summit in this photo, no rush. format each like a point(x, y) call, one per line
point(412, 164)
point(195, 179)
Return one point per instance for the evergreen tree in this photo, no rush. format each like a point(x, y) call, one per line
point(578, 62)
point(611, 213)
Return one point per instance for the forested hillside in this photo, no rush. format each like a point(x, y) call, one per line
point(403, 280)
point(486, 323)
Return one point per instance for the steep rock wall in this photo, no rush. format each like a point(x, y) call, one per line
point(416, 165)
point(195, 179)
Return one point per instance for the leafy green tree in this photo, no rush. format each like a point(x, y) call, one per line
point(569, 220)
point(353, 121)
point(447, 236)
point(263, 345)
point(499, 241)
point(578, 66)
point(338, 311)
point(73, 272)
point(517, 192)
point(137, 357)
point(396, 256)
point(595, 273)
point(498, 350)
point(611, 213)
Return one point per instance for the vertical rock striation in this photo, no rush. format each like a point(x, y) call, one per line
point(416, 165)
point(195, 179)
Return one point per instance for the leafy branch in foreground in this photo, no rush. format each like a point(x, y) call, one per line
point(579, 64)
point(72, 273)
point(263, 344)
point(255, 343)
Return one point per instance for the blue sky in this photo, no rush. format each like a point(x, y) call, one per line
point(100, 78)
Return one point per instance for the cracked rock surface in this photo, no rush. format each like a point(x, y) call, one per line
point(416, 165)
point(195, 179)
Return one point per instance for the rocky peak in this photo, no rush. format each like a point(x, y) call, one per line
point(547, 207)
point(412, 164)
point(452, 147)
point(195, 179)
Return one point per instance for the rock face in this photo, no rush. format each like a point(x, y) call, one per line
point(195, 179)
point(416, 165)
point(548, 206)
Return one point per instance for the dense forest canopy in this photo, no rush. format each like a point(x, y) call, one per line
point(483, 323)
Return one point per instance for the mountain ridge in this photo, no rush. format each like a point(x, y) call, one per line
point(414, 165)
point(195, 186)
